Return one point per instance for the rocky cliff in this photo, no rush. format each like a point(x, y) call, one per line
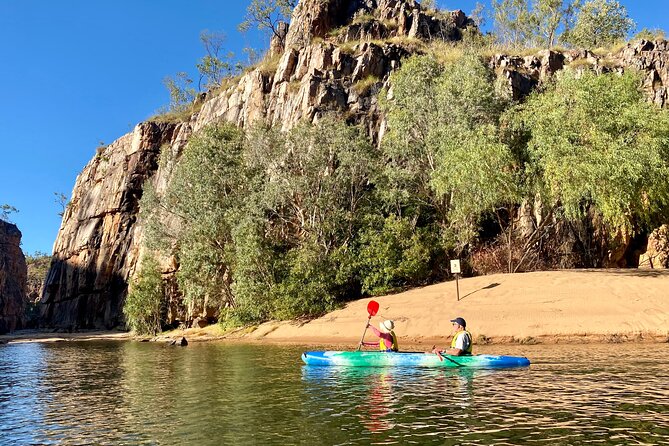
point(98, 245)
point(337, 56)
point(13, 276)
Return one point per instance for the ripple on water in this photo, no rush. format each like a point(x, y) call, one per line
point(137, 393)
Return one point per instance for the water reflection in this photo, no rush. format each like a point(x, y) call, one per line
point(135, 393)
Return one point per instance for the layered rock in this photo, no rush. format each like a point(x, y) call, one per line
point(657, 251)
point(13, 276)
point(97, 248)
point(98, 245)
point(336, 57)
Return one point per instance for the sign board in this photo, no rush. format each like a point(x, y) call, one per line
point(455, 266)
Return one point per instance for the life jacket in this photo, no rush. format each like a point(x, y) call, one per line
point(468, 351)
point(384, 348)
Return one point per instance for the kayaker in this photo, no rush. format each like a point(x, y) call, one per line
point(387, 337)
point(462, 340)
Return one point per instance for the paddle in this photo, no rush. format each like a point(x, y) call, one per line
point(441, 357)
point(372, 308)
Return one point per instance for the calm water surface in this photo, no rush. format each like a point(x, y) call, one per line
point(139, 393)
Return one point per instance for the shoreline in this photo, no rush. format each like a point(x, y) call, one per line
point(209, 335)
point(545, 307)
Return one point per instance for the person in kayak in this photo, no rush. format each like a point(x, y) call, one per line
point(462, 340)
point(387, 337)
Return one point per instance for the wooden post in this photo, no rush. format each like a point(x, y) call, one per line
point(455, 269)
point(457, 286)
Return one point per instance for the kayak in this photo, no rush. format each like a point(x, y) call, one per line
point(410, 359)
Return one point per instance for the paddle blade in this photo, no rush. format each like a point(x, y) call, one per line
point(372, 308)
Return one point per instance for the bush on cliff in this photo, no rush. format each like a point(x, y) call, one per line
point(143, 305)
point(594, 140)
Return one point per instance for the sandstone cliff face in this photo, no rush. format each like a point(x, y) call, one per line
point(98, 246)
point(337, 56)
point(13, 276)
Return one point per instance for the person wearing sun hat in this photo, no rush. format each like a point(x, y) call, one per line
point(387, 337)
point(462, 340)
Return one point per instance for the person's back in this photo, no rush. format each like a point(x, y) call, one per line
point(387, 337)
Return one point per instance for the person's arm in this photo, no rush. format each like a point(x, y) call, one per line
point(375, 330)
point(454, 351)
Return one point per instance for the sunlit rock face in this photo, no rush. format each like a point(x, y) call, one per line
point(99, 243)
point(657, 250)
point(13, 277)
point(97, 247)
point(334, 57)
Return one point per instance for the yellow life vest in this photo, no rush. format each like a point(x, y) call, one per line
point(468, 351)
point(394, 347)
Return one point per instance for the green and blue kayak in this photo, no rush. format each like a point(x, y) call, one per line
point(410, 359)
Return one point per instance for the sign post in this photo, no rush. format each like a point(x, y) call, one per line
point(455, 269)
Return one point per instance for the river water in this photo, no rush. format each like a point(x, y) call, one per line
point(220, 394)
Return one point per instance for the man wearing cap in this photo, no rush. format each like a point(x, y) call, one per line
point(462, 340)
point(387, 337)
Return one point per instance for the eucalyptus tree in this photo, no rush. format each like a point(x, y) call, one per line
point(6, 210)
point(265, 15)
point(216, 64)
point(445, 155)
point(599, 23)
point(144, 304)
point(595, 142)
point(532, 22)
point(207, 183)
point(551, 17)
point(315, 194)
point(513, 21)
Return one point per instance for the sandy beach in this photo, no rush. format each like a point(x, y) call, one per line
point(573, 306)
point(538, 307)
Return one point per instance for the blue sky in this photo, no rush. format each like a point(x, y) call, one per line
point(77, 73)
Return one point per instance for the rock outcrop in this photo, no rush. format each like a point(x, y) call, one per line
point(98, 245)
point(13, 276)
point(336, 56)
point(97, 248)
point(657, 251)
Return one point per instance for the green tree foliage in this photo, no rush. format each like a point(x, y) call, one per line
point(264, 220)
point(61, 201)
point(143, 305)
point(551, 16)
point(649, 34)
point(182, 92)
point(513, 21)
point(445, 156)
point(599, 23)
point(215, 66)
point(6, 210)
point(522, 23)
point(595, 140)
point(314, 193)
point(208, 183)
point(38, 265)
point(265, 15)
point(392, 253)
point(412, 140)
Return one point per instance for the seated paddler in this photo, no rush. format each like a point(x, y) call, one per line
point(387, 338)
point(461, 344)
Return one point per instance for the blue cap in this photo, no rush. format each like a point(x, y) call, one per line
point(459, 321)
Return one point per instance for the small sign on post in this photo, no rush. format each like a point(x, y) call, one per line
point(455, 269)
